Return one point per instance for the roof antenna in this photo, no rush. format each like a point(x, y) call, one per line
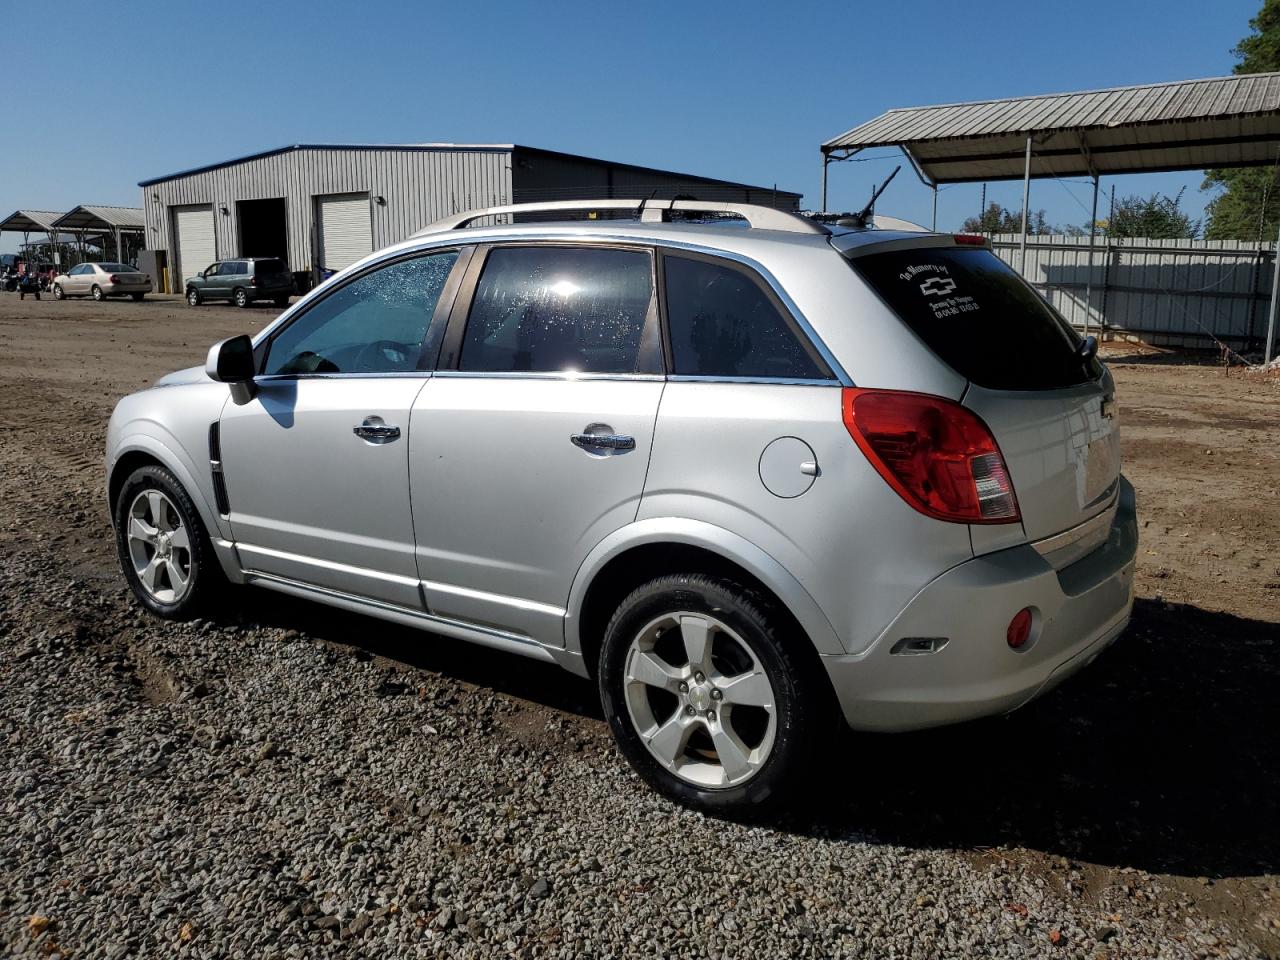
point(861, 216)
point(640, 209)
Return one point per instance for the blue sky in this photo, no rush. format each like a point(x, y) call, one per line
point(744, 91)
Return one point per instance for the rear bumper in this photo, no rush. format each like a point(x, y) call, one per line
point(1079, 611)
point(123, 289)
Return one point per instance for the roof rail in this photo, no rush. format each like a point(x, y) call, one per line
point(651, 211)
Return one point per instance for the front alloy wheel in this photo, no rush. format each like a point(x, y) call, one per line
point(193, 296)
point(159, 546)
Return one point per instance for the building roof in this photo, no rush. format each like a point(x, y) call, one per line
point(24, 221)
point(1187, 125)
point(473, 147)
point(87, 217)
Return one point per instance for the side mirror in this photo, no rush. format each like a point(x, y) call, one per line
point(231, 361)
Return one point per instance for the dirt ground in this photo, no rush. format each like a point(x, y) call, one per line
point(1156, 770)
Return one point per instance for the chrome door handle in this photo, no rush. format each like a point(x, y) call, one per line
point(602, 441)
point(375, 430)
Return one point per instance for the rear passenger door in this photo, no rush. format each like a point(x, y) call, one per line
point(531, 443)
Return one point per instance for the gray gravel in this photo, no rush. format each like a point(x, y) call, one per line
point(247, 790)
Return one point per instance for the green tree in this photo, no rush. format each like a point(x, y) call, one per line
point(998, 219)
point(1157, 217)
point(1248, 207)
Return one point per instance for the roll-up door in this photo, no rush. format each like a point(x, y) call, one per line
point(195, 244)
point(346, 233)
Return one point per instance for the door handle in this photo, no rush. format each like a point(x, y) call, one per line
point(602, 441)
point(375, 431)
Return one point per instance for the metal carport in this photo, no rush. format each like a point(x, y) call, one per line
point(27, 222)
point(120, 223)
point(1188, 125)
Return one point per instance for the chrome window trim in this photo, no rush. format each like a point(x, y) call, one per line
point(654, 243)
point(389, 375)
point(544, 375)
point(779, 381)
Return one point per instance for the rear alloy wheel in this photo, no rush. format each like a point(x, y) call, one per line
point(137, 296)
point(57, 292)
point(705, 698)
point(193, 296)
point(97, 293)
point(164, 551)
point(282, 302)
point(239, 297)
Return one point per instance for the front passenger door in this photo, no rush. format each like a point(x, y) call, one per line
point(317, 463)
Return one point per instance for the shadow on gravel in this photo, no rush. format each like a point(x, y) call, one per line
point(496, 670)
point(1162, 755)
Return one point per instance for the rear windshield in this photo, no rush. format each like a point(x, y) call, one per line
point(269, 266)
point(118, 268)
point(978, 316)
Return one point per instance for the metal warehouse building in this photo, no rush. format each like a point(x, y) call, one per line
point(324, 206)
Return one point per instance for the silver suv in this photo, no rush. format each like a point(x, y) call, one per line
point(751, 476)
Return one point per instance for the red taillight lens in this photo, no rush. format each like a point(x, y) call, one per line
point(969, 240)
point(939, 456)
point(113, 279)
point(1019, 631)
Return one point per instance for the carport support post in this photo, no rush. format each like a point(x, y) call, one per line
point(826, 160)
point(934, 225)
point(119, 251)
point(1269, 352)
point(1026, 199)
point(1088, 277)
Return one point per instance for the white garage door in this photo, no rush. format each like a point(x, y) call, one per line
point(346, 234)
point(195, 243)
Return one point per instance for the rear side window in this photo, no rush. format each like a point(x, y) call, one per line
point(550, 309)
point(973, 311)
point(723, 324)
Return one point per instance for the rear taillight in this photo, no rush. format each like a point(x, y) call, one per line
point(113, 279)
point(939, 456)
point(253, 281)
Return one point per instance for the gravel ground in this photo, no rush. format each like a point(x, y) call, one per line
point(290, 781)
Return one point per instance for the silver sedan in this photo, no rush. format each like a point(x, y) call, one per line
point(102, 280)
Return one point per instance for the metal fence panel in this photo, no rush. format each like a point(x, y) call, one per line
point(1177, 293)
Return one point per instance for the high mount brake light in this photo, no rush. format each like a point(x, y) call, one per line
point(939, 456)
point(969, 240)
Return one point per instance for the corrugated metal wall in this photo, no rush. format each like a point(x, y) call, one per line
point(1179, 293)
point(420, 185)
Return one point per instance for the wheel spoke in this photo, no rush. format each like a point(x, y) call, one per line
point(177, 579)
point(731, 752)
point(150, 574)
point(156, 504)
point(139, 529)
point(696, 633)
point(748, 689)
point(647, 668)
point(180, 540)
point(670, 739)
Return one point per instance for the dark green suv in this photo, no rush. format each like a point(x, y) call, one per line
point(242, 282)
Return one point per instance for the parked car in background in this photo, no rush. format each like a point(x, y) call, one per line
point(102, 280)
point(748, 480)
point(242, 282)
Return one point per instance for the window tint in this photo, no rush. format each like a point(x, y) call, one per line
point(211, 270)
point(374, 324)
point(118, 268)
point(978, 316)
point(562, 308)
point(228, 269)
point(264, 267)
point(722, 324)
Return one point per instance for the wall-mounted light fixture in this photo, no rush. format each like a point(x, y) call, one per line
point(155, 197)
point(223, 208)
point(380, 200)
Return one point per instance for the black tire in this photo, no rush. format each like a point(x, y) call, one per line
point(240, 297)
point(97, 293)
point(193, 297)
point(137, 296)
point(281, 302)
point(58, 294)
point(802, 700)
point(206, 578)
